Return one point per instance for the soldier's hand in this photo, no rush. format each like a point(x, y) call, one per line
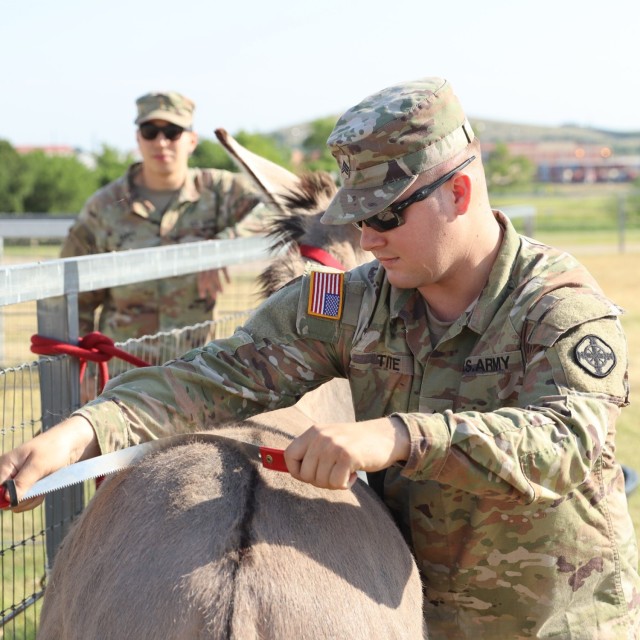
point(329, 455)
point(70, 441)
point(210, 282)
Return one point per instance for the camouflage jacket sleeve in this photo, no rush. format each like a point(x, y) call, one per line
point(265, 365)
point(82, 241)
point(241, 213)
point(573, 387)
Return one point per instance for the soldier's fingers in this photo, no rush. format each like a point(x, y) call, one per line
point(22, 480)
point(207, 283)
point(309, 468)
point(340, 477)
point(217, 284)
point(325, 472)
point(212, 282)
point(201, 284)
point(11, 462)
point(293, 456)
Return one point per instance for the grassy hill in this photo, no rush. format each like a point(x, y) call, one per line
point(497, 131)
point(627, 143)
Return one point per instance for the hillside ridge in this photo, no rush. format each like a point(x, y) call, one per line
point(493, 131)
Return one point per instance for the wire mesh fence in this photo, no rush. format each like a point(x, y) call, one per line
point(24, 548)
point(22, 538)
point(28, 541)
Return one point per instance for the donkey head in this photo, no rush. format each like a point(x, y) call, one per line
point(296, 229)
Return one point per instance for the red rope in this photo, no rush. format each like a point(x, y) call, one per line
point(94, 347)
point(321, 256)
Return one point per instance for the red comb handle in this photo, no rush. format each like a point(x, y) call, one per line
point(273, 459)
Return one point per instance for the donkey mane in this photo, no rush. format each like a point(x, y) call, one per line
point(305, 204)
point(314, 192)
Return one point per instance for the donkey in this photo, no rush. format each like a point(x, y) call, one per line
point(300, 202)
point(199, 541)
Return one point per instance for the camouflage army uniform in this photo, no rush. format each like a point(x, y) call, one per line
point(211, 204)
point(511, 491)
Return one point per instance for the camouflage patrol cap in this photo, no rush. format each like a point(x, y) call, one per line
point(171, 106)
point(384, 142)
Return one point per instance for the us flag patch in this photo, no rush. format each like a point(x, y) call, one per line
point(325, 294)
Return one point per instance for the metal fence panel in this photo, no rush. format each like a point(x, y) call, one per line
point(28, 541)
point(37, 395)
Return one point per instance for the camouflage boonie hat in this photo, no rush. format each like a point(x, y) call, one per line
point(172, 107)
point(384, 142)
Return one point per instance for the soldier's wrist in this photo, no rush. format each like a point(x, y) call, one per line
point(402, 440)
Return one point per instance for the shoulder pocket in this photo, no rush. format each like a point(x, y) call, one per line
point(564, 309)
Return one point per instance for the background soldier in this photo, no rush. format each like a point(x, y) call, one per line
point(161, 201)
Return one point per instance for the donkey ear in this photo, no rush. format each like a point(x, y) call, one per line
point(270, 178)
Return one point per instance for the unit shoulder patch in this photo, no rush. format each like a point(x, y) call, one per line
point(595, 356)
point(326, 294)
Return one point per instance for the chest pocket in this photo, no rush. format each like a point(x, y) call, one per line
point(189, 224)
point(490, 380)
point(381, 382)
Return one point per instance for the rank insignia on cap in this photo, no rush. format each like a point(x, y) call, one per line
point(595, 356)
point(345, 166)
point(326, 294)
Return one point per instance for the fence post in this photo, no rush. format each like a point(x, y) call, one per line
point(622, 223)
point(60, 394)
point(529, 222)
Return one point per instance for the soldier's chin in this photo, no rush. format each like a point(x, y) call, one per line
point(396, 276)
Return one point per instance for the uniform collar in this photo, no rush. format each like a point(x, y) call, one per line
point(190, 191)
point(499, 284)
point(399, 298)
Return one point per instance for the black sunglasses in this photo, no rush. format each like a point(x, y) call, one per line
point(391, 217)
point(150, 131)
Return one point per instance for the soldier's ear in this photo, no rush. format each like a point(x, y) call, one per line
point(193, 140)
point(461, 188)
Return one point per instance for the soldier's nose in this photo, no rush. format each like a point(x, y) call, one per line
point(370, 238)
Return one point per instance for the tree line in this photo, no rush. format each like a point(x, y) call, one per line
point(35, 182)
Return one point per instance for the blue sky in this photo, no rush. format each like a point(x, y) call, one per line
point(72, 69)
